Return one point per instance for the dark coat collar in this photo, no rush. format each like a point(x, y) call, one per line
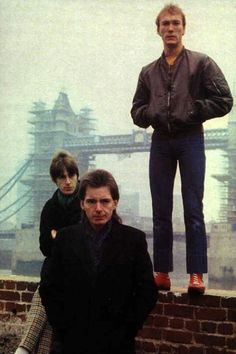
point(112, 248)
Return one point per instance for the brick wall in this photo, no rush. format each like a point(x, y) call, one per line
point(15, 298)
point(191, 325)
point(178, 324)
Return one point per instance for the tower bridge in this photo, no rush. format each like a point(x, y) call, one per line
point(61, 128)
point(138, 141)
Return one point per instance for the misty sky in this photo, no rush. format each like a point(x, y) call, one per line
point(94, 50)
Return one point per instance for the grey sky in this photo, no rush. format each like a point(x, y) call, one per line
point(94, 50)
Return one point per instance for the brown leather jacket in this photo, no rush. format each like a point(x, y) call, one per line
point(173, 98)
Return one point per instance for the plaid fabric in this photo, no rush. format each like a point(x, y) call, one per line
point(38, 332)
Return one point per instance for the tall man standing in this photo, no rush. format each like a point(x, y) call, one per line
point(175, 95)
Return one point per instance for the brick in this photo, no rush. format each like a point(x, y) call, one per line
point(166, 297)
point(26, 297)
point(28, 306)
point(178, 310)
point(164, 348)
point(150, 333)
point(148, 347)
point(192, 325)
point(10, 285)
point(210, 340)
point(196, 350)
point(22, 317)
point(22, 285)
point(215, 351)
point(32, 287)
point(176, 323)
point(159, 309)
point(1, 284)
point(228, 302)
point(183, 349)
point(2, 306)
point(231, 343)
point(219, 351)
point(225, 328)
point(4, 317)
point(177, 336)
point(160, 321)
point(209, 327)
point(212, 314)
point(231, 315)
point(181, 299)
point(206, 301)
point(15, 307)
point(9, 295)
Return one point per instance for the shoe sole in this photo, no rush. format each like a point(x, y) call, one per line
point(196, 291)
point(159, 287)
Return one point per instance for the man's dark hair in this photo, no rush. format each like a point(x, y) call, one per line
point(173, 10)
point(63, 161)
point(96, 179)
point(100, 178)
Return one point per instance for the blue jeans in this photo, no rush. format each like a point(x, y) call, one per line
point(165, 153)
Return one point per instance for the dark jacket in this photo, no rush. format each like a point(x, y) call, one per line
point(172, 98)
point(99, 312)
point(55, 216)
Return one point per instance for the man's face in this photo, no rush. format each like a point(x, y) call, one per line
point(67, 183)
point(98, 206)
point(171, 29)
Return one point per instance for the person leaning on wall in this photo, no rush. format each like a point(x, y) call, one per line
point(100, 286)
point(61, 210)
point(175, 95)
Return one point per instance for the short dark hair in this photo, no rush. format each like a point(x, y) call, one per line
point(63, 161)
point(173, 10)
point(100, 178)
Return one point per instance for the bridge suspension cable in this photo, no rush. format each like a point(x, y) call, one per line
point(6, 187)
point(16, 201)
point(16, 211)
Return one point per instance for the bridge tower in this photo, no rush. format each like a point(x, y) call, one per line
point(228, 178)
point(50, 129)
point(222, 251)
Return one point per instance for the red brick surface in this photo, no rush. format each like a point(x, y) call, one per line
point(179, 324)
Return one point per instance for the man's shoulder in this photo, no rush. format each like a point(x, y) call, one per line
point(76, 228)
point(149, 67)
point(195, 54)
point(70, 233)
point(48, 207)
point(52, 208)
point(129, 230)
point(51, 201)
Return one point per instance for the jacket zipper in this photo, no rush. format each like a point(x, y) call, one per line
point(168, 98)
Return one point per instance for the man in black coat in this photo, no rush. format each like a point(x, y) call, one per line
point(100, 286)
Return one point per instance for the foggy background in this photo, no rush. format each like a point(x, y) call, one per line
point(93, 50)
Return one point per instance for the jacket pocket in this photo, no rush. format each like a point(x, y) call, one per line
point(184, 112)
point(157, 111)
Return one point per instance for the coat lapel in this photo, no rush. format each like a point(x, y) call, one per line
point(81, 250)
